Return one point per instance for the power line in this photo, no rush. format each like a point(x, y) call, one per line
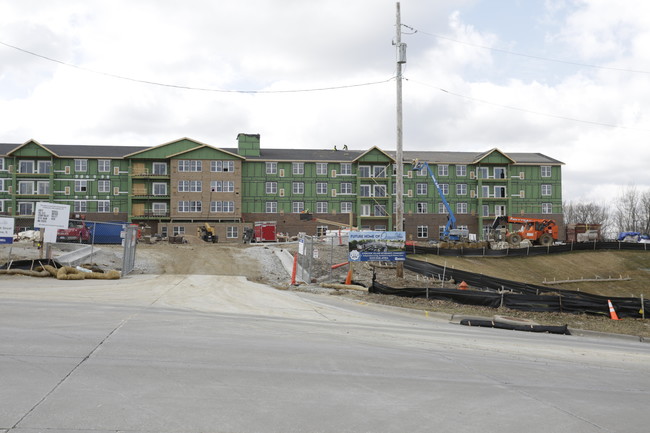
point(525, 110)
point(530, 56)
point(202, 89)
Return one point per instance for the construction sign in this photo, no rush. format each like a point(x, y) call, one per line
point(6, 230)
point(377, 246)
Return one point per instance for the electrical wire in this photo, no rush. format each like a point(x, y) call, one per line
point(525, 110)
point(202, 89)
point(530, 56)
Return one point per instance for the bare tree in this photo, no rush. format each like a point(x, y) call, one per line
point(588, 213)
point(627, 210)
point(644, 212)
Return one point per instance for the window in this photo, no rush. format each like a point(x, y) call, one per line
point(321, 207)
point(25, 166)
point(81, 165)
point(321, 230)
point(346, 188)
point(461, 189)
point(271, 188)
point(380, 210)
point(346, 168)
point(500, 191)
point(321, 168)
point(190, 186)
point(189, 165)
point(363, 171)
point(423, 232)
point(485, 191)
point(104, 165)
point(43, 187)
point(483, 172)
point(461, 170)
point(222, 206)
point(45, 167)
point(346, 207)
point(422, 207)
point(365, 210)
point(271, 207)
point(365, 191)
point(298, 187)
point(2, 185)
point(442, 209)
point(379, 190)
point(461, 208)
point(178, 230)
point(104, 186)
point(25, 208)
point(443, 170)
point(2, 164)
point(500, 210)
point(485, 210)
point(80, 206)
point(298, 168)
point(321, 187)
point(159, 209)
point(379, 171)
point(159, 168)
point(546, 170)
point(422, 171)
point(190, 206)
point(297, 206)
point(232, 232)
point(222, 166)
point(547, 189)
point(80, 186)
point(158, 188)
point(271, 168)
point(547, 208)
point(222, 186)
point(421, 189)
point(25, 188)
point(499, 173)
point(104, 206)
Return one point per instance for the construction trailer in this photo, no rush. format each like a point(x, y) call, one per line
point(266, 231)
point(583, 232)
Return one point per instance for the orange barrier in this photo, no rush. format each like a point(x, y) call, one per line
point(338, 265)
point(295, 268)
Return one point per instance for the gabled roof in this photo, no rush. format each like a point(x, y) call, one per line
point(372, 149)
point(198, 144)
point(29, 142)
point(206, 146)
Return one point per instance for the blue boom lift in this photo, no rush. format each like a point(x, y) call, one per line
point(450, 233)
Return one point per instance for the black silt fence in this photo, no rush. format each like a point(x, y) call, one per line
point(528, 251)
point(498, 292)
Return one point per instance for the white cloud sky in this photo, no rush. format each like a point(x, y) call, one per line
point(517, 103)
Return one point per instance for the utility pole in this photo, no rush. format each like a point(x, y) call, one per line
point(399, 184)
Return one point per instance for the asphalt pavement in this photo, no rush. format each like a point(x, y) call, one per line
point(207, 353)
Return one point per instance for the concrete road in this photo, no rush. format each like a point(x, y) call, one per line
point(219, 354)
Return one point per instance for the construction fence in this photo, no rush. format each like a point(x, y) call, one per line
point(497, 292)
point(319, 255)
point(528, 251)
point(80, 243)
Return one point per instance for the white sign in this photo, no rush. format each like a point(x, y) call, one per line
point(51, 215)
point(6, 230)
point(301, 247)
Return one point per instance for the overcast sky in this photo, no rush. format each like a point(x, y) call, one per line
point(568, 79)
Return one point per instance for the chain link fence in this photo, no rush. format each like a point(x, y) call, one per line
point(322, 257)
point(77, 244)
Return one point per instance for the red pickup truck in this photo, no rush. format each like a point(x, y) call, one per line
point(77, 231)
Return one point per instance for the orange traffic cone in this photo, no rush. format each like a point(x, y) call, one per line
point(612, 312)
point(463, 286)
point(348, 279)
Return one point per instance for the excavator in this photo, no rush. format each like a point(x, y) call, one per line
point(537, 230)
point(207, 233)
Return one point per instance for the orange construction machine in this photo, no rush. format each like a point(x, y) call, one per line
point(537, 230)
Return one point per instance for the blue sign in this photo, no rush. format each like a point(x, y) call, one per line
point(377, 246)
